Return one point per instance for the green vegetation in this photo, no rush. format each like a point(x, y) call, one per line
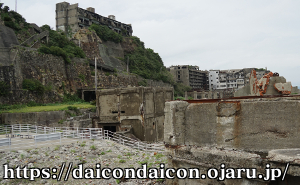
point(13, 20)
point(146, 63)
point(259, 69)
point(19, 108)
point(60, 45)
point(34, 85)
point(82, 144)
point(68, 98)
point(93, 147)
point(106, 34)
point(143, 83)
point(4, 88)
point(157, 156)
point(122, 161)
point(179, 89)
point(178, 98)
point(61, 121)
point(82, 77)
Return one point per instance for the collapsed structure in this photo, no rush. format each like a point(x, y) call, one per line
point(269, 84)
point(139, 110)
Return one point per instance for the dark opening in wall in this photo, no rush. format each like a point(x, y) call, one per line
point(110, 128)
point(89, 96)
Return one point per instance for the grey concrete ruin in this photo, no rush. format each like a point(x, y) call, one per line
point(70, 16)
point(241, 133)
point(136, 109)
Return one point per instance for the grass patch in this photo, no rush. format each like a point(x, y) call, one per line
point(122, 161)
point(93, 147)
point(57, 107)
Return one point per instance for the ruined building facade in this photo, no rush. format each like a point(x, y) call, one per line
point(190, 76)
point(139, 110)
point(73, 18)
point(232, 78)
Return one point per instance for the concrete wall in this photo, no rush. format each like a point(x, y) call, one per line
point(50, 119)
point(237, 133)
point(138, 108)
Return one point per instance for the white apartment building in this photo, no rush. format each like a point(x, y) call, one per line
point(231, 79)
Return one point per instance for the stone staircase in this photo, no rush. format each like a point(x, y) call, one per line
point(37, 37)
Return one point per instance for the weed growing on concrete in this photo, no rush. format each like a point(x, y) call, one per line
point(73, 151)
point(108, 151)
point(22, 156)
point(82, 144)
point(157, 156)
point(102, 153)
point(93, 147)
point(122, 161)
point(57, 148)
point(118, 181)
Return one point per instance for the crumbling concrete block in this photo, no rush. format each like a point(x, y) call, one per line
point(174, 122)
point(283, 88)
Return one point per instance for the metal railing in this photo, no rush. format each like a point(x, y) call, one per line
point(53, 134)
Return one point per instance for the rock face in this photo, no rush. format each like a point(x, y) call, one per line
point(7, 39)
point(108, 54)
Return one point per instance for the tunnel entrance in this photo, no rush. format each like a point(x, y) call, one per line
point(89, 96)
point(110, 128)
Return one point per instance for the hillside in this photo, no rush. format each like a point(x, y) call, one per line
point(59, 63)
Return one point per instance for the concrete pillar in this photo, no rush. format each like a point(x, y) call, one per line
point(209, 95)
point(215, 95)
point(185, 95)
point(82, 95)
point(195, 95)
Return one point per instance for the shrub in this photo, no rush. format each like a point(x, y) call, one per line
point(4, 88)
point(33, 85)
point(71, 98)
point(106, 34)
point(60, 45)
point(146, 63)
point(143, 83)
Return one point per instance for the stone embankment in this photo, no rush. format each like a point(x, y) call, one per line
point(89, 153)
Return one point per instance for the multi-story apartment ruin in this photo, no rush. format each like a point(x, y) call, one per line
point(190, 76)
point(232, 78)
point(74, 18)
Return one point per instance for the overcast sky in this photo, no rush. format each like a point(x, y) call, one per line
point(212, 34)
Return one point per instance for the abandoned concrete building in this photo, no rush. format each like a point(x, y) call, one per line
point(240, 133)
point(136, 109)
point(269, 84)
point(73, 17)
point(232, 78)
point(190, 76)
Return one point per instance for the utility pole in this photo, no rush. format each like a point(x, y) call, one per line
point(127, 64)
point(95, 74)
point(16, 6)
